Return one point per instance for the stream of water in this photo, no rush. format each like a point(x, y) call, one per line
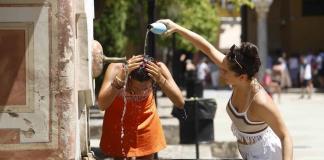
point(145, 42)
point(122, 132)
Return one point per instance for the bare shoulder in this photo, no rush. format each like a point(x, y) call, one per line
point(263, 98)
point(263, 104)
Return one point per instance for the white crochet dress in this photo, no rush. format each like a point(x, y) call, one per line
point(264, 145)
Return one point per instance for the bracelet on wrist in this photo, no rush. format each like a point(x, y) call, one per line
point(119, 80)
point(116, 86)
point(118, 83)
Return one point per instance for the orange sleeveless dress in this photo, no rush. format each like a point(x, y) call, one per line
point(143, 133)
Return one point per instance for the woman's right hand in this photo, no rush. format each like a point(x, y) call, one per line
point(132, 64)
point(171, 26)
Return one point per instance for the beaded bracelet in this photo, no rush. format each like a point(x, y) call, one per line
point(118, 83)
point(119, 80)
point(115, 85)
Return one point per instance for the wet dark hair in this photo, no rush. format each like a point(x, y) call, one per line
point(140, 73)
point(244, 59)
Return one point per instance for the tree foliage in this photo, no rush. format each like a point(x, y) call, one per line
point(198, 16)
point(239, 3)
point(109, 30)
point(121, 27)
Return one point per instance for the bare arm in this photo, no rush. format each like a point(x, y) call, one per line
point(197, 40)
point(108, 92)
point(161, 74)
point(270, 113)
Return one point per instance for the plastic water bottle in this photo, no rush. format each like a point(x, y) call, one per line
point(157, 28)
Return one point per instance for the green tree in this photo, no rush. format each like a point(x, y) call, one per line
point(198, 16)
point(109, 30)
point(239, 3)
point(121, 27)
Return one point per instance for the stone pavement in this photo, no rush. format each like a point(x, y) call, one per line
point(170, 125)
point(302, 116)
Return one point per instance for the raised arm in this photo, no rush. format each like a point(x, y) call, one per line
point(115, 72)
point(107, 92)
point(270, 113)
point(197, 40)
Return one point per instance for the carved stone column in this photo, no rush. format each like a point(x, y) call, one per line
point(262, 8)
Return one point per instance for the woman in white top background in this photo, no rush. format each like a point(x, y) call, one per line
point(306, 77)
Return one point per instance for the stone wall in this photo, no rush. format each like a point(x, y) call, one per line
point(45, 67)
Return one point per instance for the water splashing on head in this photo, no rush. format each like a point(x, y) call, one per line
point(141, 75)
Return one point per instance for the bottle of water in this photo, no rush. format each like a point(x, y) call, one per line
point(157, 28)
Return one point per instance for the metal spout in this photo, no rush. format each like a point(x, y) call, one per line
point(114, 59)
point(99, 59)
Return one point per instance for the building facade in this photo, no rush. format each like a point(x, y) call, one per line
point(294, 26)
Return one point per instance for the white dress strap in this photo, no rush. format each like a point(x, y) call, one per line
point(247, 109)
point(249, 104)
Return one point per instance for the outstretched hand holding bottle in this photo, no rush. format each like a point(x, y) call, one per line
point(170, 25)
point(198, 41)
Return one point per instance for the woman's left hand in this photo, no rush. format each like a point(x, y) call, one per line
point(161, 74)
point(155, 72)
point(171, 26)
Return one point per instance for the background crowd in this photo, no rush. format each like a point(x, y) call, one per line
point(284, 71)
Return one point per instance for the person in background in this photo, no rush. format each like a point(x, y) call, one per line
point(270, 86)
point(131, 126)
point(281, 73)
point(201, 81)
point(306, 78)
point(257, 123)
point(320, 61)
point(182, 69)
point(277, 72)
point(293, 64)
point(286, 80)
point(202, 71)
point(191, 79)
point(214, 73)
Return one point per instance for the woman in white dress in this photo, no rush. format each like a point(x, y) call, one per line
point(257, 123)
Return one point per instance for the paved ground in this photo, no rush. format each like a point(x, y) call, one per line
point(303, 118)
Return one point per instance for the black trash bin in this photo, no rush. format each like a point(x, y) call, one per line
point(205, 113)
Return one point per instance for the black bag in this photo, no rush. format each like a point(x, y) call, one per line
point(181, 114)
point(206, 109)
point(205, 113)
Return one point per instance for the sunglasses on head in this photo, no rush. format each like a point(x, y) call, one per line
point(232, 56)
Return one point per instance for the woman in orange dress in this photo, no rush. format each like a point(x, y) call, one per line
point(131, 126)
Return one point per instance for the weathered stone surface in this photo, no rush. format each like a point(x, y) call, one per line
point(44, 126)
